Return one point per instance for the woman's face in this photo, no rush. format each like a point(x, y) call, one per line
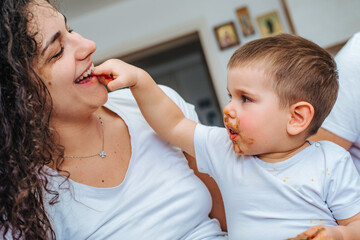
point(64, 57)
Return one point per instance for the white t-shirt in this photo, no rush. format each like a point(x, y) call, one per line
point(160, 197)
point(279, 200)
point(344, 119)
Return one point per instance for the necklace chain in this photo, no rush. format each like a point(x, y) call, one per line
point(102, 153)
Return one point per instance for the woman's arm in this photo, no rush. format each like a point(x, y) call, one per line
point(348, 229)
point(324, 134)
point(218, 210)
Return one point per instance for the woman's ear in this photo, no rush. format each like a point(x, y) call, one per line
point(301, 114)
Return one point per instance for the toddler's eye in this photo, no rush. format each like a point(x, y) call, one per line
point(245, 99)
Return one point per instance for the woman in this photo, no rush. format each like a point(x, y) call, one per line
point(72, 167)
point(342, 126)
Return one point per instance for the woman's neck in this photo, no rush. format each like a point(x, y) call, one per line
point(79, 135)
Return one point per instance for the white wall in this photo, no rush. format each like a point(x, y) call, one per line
point(128, 26)
point(326, 22)
point(120, 27)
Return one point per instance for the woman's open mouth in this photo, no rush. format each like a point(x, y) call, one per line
point(86, 76)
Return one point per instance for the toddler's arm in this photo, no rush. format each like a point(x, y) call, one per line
point(162, 114)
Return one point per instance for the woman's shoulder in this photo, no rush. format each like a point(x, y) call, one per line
point(120, 94)
point(123, 100)
point(125, 94)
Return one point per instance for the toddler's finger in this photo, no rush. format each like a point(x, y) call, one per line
point(101, 70)
point(105, 79)
point(117, 84)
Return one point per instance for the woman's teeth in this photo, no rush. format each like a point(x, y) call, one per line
point(86, 74)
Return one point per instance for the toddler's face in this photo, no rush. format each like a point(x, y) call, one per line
point(253, 117)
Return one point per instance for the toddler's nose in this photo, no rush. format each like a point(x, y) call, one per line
point(228, 112)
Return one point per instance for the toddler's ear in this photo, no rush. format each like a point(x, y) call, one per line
point(301, 114)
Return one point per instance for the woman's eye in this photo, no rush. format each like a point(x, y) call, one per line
point(59, 53)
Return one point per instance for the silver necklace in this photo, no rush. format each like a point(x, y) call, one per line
point(102, 153)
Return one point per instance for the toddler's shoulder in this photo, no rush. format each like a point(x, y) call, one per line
point(333, 151)
point(330, 145)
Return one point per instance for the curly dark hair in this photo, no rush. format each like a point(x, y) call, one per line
point(27, 142)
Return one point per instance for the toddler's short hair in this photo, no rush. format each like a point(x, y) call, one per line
point(299, 69)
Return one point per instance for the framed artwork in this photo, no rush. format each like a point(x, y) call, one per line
point(226, 35)
point(269, 24)
point(288, 17)
point(243, 15)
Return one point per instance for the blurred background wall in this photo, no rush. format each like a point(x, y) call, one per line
point(176, 42)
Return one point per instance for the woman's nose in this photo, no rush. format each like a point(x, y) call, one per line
point(85, 48)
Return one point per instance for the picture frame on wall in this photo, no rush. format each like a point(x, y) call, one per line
point(226, 35)
point(269, 24)
point(246, 24)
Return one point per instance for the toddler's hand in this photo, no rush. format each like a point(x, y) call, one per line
point(123, 74)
